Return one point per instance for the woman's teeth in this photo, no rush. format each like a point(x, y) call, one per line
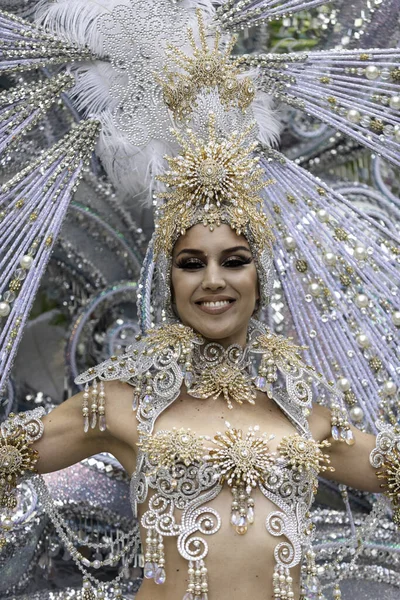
point(215, 304)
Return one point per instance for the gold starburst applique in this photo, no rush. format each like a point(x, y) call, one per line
point(226, 379)
point(212, 182)
point(243, 461)
point(16, 457)
point(305, 455)
point(390, 476)
point(167, 448)
point(241, 458)
point(279, 348)
point(172, 336)
point(208, 68)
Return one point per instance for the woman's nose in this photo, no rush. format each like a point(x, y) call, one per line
point(213, 279)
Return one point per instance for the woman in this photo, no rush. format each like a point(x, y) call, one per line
point(215, 292)
point(223, 438)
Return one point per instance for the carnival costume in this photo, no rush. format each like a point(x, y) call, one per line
point(160, 77)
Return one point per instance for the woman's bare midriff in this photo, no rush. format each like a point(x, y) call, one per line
point(238, 565)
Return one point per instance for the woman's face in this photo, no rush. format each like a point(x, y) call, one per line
point(214, 283)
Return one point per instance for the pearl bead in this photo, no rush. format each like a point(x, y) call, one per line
point(87, 585)
point(362, 340)
point(290, 243)
point(330, 258)
point(389, 388)
point(353, 116)
point(26, 262)
point(394, 102)
point(360, 252)
point(361, 301)
point(343, 384)
point(322, 215)
point(315, 289)
point(97, 564)
point(372, 72)
point(396, 318)
point(4, 309)
point(356, 414)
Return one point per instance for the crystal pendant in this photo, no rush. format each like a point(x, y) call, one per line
point(149, 570)
point(335, 432)
point(188, 596)
point(160, 575)
point(261, 383)
point(241, 529)
point(94, 420)
point(313, 587)
point(189, 378)
point(250, 515)
point(102, 423)
point(343, 434)
point(234, 518)
point(148, 399)
point(86, 424)
point(204, 596)
point(350, 441)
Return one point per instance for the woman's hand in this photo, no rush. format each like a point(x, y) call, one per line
point(351, 463)
point(65, 443)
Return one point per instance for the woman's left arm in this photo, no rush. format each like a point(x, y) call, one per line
point(351, 463)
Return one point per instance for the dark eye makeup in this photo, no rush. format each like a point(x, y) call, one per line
point(193, 263)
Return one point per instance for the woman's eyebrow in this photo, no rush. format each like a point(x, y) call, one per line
point(200, 252)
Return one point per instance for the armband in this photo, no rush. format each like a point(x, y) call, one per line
point(386, 458)
point(17, 459)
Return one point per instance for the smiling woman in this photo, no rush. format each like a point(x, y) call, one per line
point(216, 283)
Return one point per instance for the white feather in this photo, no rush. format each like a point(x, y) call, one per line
point(76, 20)
point(91, 92)
point(267, 117)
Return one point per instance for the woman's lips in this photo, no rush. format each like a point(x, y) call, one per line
point(215, 310)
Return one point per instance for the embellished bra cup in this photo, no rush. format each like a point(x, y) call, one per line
point(187, 471)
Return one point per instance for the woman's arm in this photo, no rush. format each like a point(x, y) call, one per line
point(65, 443)
point(351, 463)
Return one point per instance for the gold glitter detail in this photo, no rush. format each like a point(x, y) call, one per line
point(321, 191)
point(212, 182)
point(33, 216)
point(365, 56)
point(279, 348)
point(344, 279)
point(172, 336)
point(332, 100)
point(341, 234)
point(325, 79)
point(167, 448)
point(49, 241)
point(20, 203)
point(377, 125)
point(301, 265)
point(241, 459)
point(226, 379)
point(290, 198)
point(390, 474)
point(375, 364)
point(16, 457)
point(207, 68)
point(15, 285)
point(305, 455)
point(395, 75)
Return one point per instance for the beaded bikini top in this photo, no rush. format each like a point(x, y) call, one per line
point(179, 472)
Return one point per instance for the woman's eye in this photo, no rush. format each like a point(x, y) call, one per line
point(191, 263)
point(237, 262)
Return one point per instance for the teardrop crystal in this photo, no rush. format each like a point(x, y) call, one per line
point(350, 441)
point(160, 576)
point(94, 420)
point(189, 379)
point(102, 423)
point(86, 424)
point(335, 432)
point(149, 570)
point(188, 596)
point(234, 518)
point(250, 515)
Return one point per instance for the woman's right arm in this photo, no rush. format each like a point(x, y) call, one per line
point(65, 443)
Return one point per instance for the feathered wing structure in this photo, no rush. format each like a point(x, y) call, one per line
point(355, 91)
point(22, 107)
point(234, 15)
point(25, 46)
point(340, 275)
point(33, 205)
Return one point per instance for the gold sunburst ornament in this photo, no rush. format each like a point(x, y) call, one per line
point(390, 476)
point(243, 460)
point(305, 455)
point(208, 68)
point(212, 182)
